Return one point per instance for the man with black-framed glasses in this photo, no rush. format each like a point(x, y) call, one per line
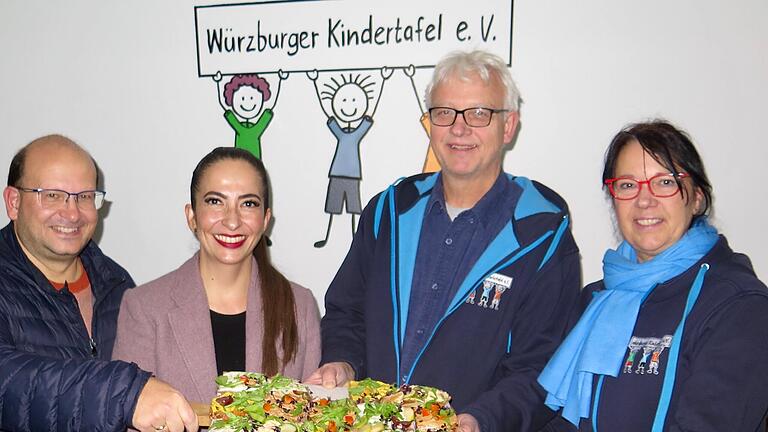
point(59, 300)
point(402, 306)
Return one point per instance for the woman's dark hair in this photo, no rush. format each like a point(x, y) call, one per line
point(277, 301)
point(670, 147)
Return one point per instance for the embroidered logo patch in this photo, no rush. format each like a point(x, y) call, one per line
point(651, 353)
point(494, 285)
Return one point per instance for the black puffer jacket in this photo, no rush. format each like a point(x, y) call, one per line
point(52, 375)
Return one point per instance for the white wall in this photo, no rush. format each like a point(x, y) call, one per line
point(121, 79)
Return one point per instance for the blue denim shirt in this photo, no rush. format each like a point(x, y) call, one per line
point(447, 251)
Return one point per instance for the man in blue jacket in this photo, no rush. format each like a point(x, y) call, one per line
point(59, 300)
point(462, 279)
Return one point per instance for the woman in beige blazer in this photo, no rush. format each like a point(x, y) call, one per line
point(227, 307)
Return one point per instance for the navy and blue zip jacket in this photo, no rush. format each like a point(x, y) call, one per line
point(718, 378)
point(52, 375)
point(487, 359)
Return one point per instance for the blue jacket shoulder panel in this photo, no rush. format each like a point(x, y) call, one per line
point(50, 378)
point(532, 200)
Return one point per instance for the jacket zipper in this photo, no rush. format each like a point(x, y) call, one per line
point(94, 351)
point(91, 342)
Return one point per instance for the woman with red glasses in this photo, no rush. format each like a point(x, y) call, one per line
point(675, 337)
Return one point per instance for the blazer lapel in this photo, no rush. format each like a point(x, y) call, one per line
point(191, 326)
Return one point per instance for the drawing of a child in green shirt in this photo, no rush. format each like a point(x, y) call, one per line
point(246, 96)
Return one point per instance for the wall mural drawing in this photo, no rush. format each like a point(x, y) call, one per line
point(348, 102)
point(431, 163)
point(348, 50)
point(244, 99)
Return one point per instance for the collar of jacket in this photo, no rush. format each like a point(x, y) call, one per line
point(531, 202)
point(486, 208)
point(102, 278)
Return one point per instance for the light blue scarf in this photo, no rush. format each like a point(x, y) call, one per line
point(597, 343)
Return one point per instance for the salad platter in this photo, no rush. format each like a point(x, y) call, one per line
point(249, 401)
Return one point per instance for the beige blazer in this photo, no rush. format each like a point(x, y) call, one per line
point(164, 326)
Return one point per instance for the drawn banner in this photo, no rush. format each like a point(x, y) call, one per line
point(345, 34)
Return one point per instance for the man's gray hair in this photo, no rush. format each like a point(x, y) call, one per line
point(462, 64)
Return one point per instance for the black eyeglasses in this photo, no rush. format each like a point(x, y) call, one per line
point(57, 198)
point(473, 117)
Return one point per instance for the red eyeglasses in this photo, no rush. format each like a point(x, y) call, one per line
point(661, 186)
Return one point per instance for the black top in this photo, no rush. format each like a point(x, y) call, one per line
point(229, 341)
